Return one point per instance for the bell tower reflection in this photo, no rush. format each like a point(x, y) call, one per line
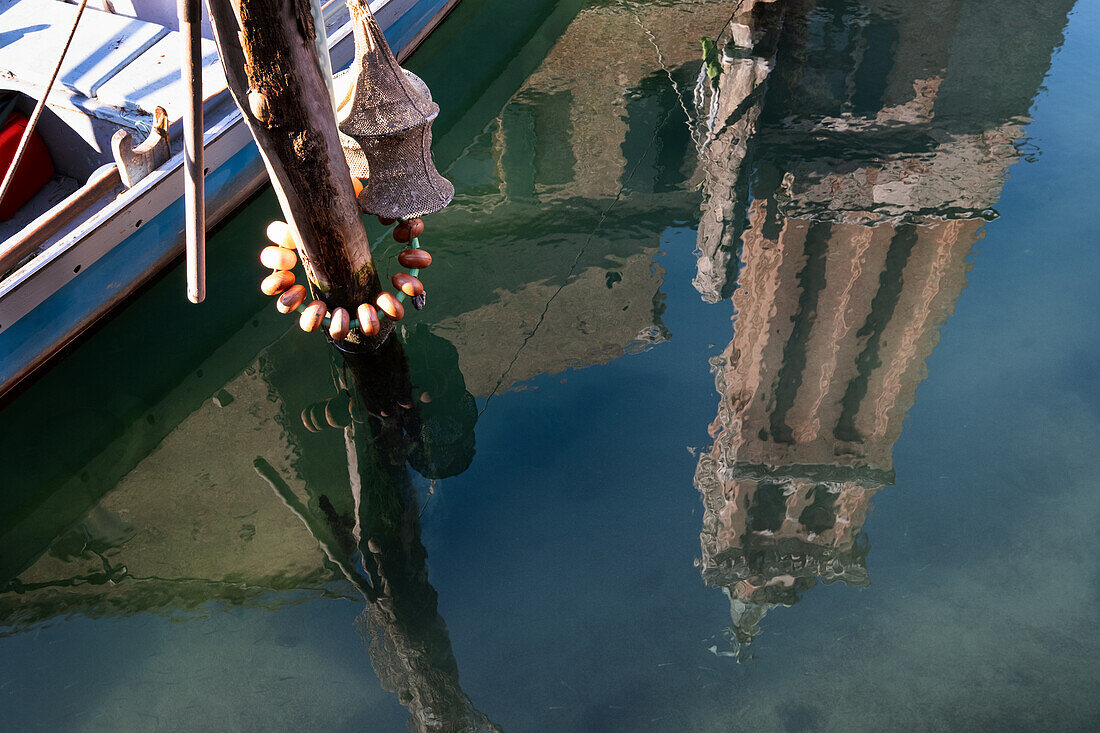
point(871, 179)
point(834, 324)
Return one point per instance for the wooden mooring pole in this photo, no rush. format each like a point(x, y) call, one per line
point(271, 63)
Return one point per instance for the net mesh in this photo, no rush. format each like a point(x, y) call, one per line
point(344, 84)
point(404, 182)
point(385, 120)
point(385, 101)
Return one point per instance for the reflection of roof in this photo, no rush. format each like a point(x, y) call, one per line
point(591, 321)
point(571, 167)
point(769, 535)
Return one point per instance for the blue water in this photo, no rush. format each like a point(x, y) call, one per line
point(565, 549)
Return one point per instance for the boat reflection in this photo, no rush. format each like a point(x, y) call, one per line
point(871, 183)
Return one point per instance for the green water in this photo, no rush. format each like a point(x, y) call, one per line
point(757, 400)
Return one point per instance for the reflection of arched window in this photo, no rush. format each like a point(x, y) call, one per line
point(658, 141)
point(843, 61)
point(768, 508)
point(811, 282)
point(534, 127)
point(876, 64)
point(820, 515)
point(886, 299)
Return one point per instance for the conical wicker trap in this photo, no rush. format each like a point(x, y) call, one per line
point(404, 182)
point(385, 119)
point(344, 83)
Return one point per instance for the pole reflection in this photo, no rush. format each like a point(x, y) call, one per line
point(369, 527)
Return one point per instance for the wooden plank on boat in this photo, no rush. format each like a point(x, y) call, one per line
point(36, 30)
point(153, 79)
point(46, 328)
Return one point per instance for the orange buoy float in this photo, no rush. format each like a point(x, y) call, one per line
point(279, 233)
point(317, 415)
point(313, 315)
point(391, 306)
point(414, 259)
point(368, 320)
point(278, 258)
point(291, 299)
point(340, 325)
point(277, 282)
point(406, 230)
point(307, 421)
point(385, 222)
point(357, 186)
point(337, 413)
point(407, 284)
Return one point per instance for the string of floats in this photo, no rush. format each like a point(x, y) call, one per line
point(281, 258)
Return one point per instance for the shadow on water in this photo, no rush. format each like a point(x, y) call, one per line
point(368, 524)
point(851, 156)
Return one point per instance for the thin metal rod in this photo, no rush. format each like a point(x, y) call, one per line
point(10, 175)
point(320, 39)
point(193, 191)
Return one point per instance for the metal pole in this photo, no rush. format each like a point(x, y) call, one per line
point(194, 195)
point(320, 39)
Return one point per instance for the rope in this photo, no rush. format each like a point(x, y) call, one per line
point(10, 176)
point(415, 272)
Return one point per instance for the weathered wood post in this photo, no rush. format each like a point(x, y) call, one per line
point(274, 74)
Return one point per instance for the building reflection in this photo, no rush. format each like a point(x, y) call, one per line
point(834, 324)
point(839, 224)
point(870, 187)
point(566, 193)
point(295, 498)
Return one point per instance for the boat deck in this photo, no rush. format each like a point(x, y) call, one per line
point(118, 69)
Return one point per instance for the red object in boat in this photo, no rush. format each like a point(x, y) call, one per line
point(35, 169)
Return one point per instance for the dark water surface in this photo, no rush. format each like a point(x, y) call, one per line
point(688, 323)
